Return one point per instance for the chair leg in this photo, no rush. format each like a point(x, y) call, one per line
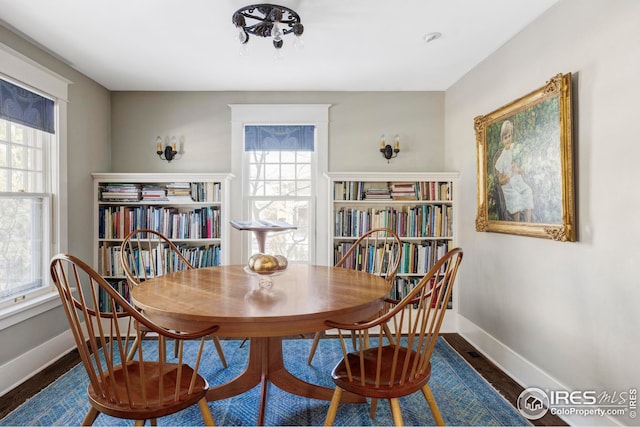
point(176, 349)
point(216, 342)
point(388, 333)
point(314, 345)
point(206, 412)
point(374, 406)
point(333, 407)
point(426, 391)
point(91, 416)
point(139, 423)
point(134, 346)
point(396, 412)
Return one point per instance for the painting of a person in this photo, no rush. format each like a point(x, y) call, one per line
point(518, 195)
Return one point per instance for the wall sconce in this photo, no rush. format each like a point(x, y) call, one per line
point(387, 151)
point(170, 151)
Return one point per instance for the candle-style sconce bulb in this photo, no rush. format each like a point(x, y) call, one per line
point(389, 152)
point(169, 151)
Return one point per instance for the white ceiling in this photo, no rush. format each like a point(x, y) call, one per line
point(350, 45)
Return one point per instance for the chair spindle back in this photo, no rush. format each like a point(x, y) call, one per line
point(392, 368)
point(102, 323)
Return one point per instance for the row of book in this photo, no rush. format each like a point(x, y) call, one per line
point(206, 191)
point(117, 192)
point(104, 302)
point(406, 221)
point(404, 285)
point(422, 190)
point(178, 191)
point(195, 191)
point(403, 191)
point(115, 222)
point(377, 194)
point(369, 258)
point(415, 258)
point(157, 262)
point(418, 258)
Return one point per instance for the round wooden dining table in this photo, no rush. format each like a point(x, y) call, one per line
point(300, 300)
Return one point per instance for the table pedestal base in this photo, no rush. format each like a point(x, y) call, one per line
point(267, 365)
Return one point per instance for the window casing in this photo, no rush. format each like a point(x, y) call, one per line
point(316, 115)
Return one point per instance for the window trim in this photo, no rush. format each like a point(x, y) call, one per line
point(22, 70)
point(281, 114)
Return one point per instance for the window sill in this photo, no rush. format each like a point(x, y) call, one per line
point(28, 309)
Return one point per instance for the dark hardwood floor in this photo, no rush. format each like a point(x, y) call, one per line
point(33, 385)
point(500, 381)
point(507, 387)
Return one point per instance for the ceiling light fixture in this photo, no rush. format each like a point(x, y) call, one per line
point(432, 36)
point(268, 20)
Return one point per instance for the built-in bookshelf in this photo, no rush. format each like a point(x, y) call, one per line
point(191, 209)
point(419, 207)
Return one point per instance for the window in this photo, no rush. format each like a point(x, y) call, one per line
point(32, 199)
point(24, 193)
point(24, 211)
point(317, 117)
point(280, 185)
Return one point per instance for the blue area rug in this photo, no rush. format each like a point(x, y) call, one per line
point(463, 396)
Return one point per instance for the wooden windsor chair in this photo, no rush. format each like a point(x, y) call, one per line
point(144, 388)
point(147, 253)
point(377, 251)
point(390, 370)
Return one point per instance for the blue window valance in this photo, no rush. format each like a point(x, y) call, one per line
point(279, 138)
point(22, 106)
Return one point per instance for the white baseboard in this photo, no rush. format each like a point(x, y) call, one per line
point(521, 370)
point(29, 364)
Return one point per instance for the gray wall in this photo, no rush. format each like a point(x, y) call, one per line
point(571, 309)
point(88, 148)
point(357, 119)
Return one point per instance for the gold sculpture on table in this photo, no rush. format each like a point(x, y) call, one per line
point(266, 265)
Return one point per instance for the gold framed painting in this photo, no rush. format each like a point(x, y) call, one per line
point(525, 165)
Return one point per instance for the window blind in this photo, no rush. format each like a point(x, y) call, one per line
point(20, 105)
point(279, 138)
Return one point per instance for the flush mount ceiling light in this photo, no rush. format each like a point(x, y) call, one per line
point(428, 38)
point(268, 20)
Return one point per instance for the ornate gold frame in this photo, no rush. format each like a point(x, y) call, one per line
point(542, 119)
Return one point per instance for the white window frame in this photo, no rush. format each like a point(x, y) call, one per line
point(19, 69)
point(279, 114)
